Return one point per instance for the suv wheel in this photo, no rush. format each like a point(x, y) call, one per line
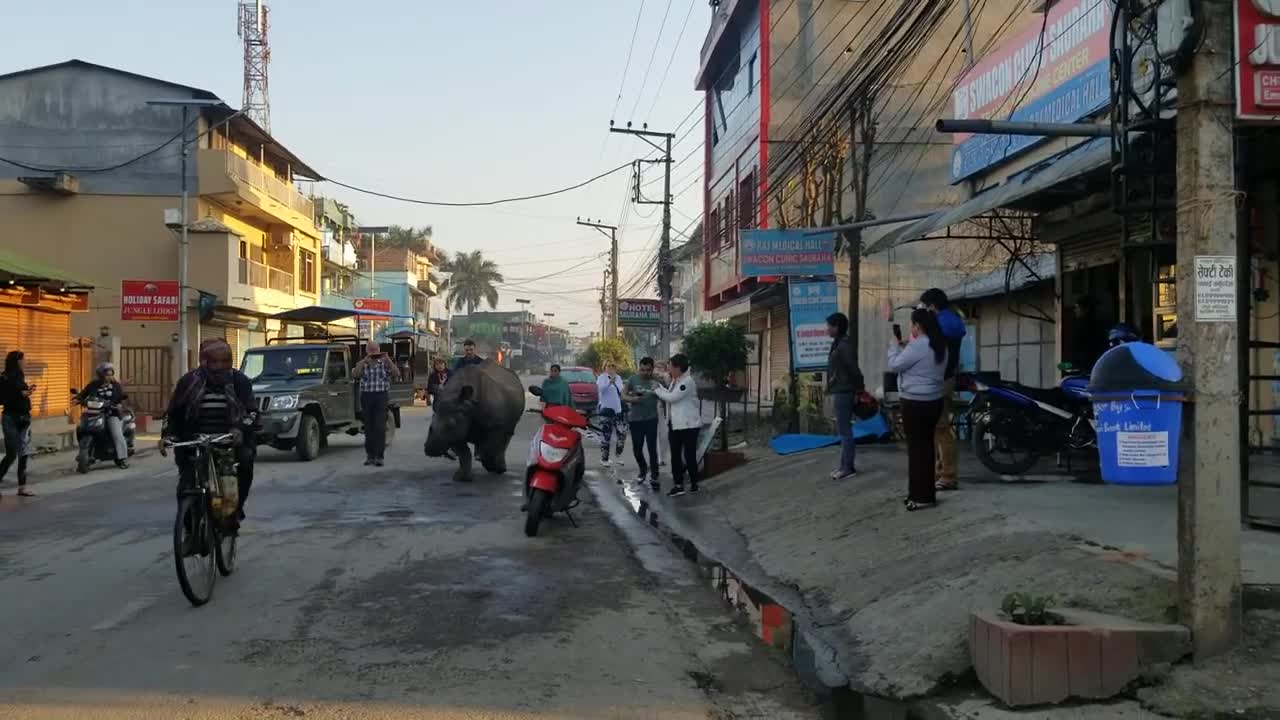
point(307, 446)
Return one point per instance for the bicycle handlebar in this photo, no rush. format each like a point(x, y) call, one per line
point(201, 440)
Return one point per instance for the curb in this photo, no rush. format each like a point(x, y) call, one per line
point(792, 631)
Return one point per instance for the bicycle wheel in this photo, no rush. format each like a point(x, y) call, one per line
point(194, 549)
point(226, 554)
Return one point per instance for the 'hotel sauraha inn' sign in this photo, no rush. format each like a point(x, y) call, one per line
point(779, 253)
point(1060, 77)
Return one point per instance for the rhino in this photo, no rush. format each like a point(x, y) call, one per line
point(479, 405)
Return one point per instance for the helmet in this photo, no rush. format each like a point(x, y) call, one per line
point(105, 368)
point(1121, 334)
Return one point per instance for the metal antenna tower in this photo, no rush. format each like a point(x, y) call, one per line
point(252, 29)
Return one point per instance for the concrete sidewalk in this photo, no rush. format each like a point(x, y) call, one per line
point(889, 592)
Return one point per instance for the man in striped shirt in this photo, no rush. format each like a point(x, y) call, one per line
point(214, 399)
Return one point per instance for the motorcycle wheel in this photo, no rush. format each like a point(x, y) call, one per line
point(1000, 460)
point(538, 501)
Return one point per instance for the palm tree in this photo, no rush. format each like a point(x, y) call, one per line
point(474, 281)
point(409, 237)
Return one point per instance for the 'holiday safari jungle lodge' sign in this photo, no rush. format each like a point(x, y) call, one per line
point(777, 253)
point(1056, 70)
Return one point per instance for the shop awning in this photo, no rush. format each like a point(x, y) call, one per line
point(1040, 267)
point(24, 270)
point(322, 314)
point(1082, 159)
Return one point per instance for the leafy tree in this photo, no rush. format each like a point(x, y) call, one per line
point(409, 237)
point(716, 350)
point(608, 349)
point(475, 280)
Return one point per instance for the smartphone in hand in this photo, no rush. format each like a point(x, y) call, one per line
point(897, 332)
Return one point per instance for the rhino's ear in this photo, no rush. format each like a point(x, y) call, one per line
point(468, 394)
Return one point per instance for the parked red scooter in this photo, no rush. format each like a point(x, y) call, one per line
point(556, 464)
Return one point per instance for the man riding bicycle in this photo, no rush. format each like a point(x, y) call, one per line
point(214, 399)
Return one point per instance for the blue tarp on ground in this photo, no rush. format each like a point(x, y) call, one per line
point(876, 429)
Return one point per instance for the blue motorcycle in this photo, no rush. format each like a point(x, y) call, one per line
point(1015, 425)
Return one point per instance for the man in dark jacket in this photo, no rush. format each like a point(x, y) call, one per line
point(214, 399)
point(109, 395)
point(953, 330)
point(469, 356)
point(844, 382)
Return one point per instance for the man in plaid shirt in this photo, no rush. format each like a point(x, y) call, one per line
point(375, 373)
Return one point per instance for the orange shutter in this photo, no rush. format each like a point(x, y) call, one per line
point(43, 337)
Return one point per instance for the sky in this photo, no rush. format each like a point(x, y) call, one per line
point(448, 101)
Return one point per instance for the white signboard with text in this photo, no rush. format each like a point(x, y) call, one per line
point(1215, 288)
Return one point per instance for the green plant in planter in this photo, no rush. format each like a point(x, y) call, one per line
point(717, 350)
point(1027, 609)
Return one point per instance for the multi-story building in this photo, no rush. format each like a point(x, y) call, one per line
point(687, 291)
point(339, 261)
point(779, 78)
point(403, 277)
point(93, 160)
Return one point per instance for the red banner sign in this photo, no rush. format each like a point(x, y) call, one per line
point(373, 305)
point(149, 300)
point(1258, 59)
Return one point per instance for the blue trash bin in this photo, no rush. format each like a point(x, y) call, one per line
point(1137, 395)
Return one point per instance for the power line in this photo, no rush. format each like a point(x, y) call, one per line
point(674, 49)
point(484, 203)
point(626, 68)
point(652, 54)
point(107, 168)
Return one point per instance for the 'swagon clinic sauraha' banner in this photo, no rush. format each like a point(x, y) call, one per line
point(1071, 80)
point(810, 303)
point(1258, 59)
point(775, 253)
point(636, 312)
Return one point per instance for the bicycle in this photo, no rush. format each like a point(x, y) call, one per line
point(200, 531)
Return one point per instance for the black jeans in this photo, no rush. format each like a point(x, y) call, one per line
point(684, 455)
point(919, 421)
point(13, 432)
point(373, 408)
point(645, 432)
point(245, 455)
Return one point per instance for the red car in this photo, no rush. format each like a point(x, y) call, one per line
point(582, 385)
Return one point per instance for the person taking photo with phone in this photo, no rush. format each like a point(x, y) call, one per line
point(375, 373)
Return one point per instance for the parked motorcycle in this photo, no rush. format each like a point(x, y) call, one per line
point(94, 437)
point(1015, 425)
point(556, 465)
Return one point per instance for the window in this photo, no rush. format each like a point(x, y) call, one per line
point(729, 231)
point(307, 268)
point(337, 368)
point(1166, 297)
point(747, 201)
point(711, 235)
point(244, 249)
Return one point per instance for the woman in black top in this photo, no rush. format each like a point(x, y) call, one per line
point(15, 396)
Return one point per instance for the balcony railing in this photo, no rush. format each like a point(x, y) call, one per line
point(262, 276)
point(251, 173)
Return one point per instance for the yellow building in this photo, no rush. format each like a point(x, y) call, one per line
point(91, 159)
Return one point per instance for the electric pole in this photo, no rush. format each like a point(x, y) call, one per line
point(1209, 469)
point(612, 234)
point(664, 250)
point(604, 324)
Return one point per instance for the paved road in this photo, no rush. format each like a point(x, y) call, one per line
point(393, 593)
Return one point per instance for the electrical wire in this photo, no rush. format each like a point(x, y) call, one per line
point(626, 68)
point(484, 203)
point(674, 49)
point(652, 54)
point(108, 168)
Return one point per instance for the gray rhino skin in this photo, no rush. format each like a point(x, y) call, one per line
point(480, 405)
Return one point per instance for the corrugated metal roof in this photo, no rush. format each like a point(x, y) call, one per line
point(23, 268)
point(1019, 277)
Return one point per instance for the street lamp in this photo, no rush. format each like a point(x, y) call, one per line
point(186, 105)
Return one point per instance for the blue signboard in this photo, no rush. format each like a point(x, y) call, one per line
point(1080, 97)
point(779, 253)
point(810, 303)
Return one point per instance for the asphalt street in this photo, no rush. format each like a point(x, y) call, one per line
point(365, 593)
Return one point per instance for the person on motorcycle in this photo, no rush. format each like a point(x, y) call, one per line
point(1121, 334)
point(555, 390)
point(106, 389)
point(214, 399)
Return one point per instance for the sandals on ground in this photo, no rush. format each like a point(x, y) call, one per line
point(912, 505)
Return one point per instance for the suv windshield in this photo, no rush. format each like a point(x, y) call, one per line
point(284, 363)
point(578, 376)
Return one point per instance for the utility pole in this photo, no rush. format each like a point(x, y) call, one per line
point(862, 142)
point(524, 311)
point(664, 250)
point(612, 234)
point(1209, 472)
point(604, 313)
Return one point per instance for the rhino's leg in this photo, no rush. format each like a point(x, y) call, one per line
point(493, 455)
point(463, 473)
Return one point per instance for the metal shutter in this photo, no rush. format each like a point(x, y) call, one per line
point(779, 346)
point(44, 337)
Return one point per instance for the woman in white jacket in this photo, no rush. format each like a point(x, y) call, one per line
point(684, 420)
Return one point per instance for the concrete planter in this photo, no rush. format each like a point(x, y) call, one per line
point(1094, 656)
